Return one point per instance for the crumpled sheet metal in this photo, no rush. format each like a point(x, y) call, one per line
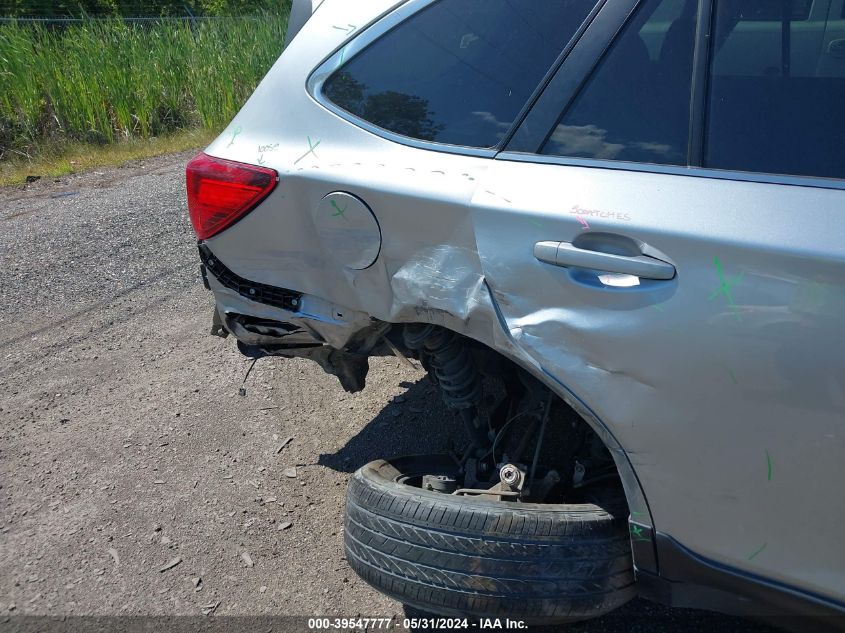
point(441, 285)
point(329, 323)
point(444, 286)
point(458, 233)
point(512, 342)
point(411, 282)
point(429, 269)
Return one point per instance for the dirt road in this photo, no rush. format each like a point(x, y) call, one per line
point(134, 480)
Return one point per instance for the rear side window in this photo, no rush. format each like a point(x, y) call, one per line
point(768, 10)
point(459, 71)
point(777, 89)
point(635, 107)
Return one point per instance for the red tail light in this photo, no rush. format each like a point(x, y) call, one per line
point(221, 192)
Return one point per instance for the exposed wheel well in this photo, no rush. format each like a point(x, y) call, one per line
point(350, 365)
point(515, 424)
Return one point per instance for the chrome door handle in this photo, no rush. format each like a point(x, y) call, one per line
point(570, 256)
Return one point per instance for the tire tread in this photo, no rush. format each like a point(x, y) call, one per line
point(458, 556)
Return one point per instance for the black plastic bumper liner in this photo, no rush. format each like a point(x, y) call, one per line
point(254, 291)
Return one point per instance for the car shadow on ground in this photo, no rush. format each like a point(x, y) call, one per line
point(418, 422)
point(415, 423)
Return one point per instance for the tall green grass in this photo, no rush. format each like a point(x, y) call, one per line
point(103, 81)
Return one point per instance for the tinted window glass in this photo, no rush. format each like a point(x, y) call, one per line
point(635, 107)
point(777, 90)
point(766, 10)
point(459, 71)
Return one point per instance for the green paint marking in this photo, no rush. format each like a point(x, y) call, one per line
point(342, 56)
point(311, 149)
point(637, 531)
point(534, 222)
point(658, 307)
point(637, 513)
point(340, 211)
point(731, 372)
point(762, 547)
point(235, 134)
point(725, 286)
point(769, 463)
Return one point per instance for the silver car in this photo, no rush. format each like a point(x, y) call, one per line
point(613, 232)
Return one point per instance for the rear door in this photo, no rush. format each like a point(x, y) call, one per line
point(664, 235)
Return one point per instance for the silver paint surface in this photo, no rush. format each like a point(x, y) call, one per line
point(347, 229)
point(720, 392)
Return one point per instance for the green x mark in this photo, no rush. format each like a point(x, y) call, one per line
point(725, 286)
point(638, 532)
point(311, 148)
point(235, 134)
point(340, 211)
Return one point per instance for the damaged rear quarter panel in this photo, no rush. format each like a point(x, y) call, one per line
point(428, 269)
point(728, 407)
point(709, 379)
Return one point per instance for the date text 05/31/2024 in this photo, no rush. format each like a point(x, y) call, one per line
point(349, 624)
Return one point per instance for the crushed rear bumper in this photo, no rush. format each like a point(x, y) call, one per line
point(271, 321)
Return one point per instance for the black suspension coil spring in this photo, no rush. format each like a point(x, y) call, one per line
point(451, 363)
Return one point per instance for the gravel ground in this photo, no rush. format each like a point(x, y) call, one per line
point(125, 447)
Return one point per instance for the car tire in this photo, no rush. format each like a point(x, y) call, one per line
point(471, 557)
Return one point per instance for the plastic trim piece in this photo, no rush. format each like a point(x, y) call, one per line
point(567, 82)
point(676, 170)
point(570, 256)
point(688, 580)
point(698, 90)
point(261, 293)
